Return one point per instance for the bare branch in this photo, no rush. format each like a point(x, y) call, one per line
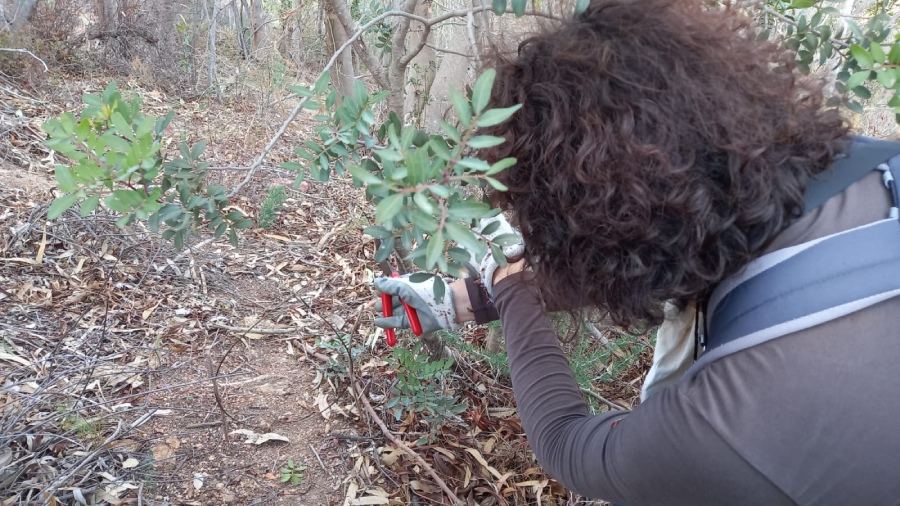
point(16, 50)
point(448, 51)
point(470, 27)
point(377, 70)
point(369, 59)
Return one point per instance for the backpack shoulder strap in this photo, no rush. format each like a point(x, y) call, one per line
point(865, 154)
point(798, 287)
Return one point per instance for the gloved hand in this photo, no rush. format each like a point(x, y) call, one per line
point(433, 314)
point(485, 265)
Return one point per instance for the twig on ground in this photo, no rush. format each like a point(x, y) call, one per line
point(351, 437)
point(16, 50)
point(409, 451)
point(320, 460)
point(604, 400)
point(266, 332)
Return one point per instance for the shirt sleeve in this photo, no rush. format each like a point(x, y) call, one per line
point(657, 454)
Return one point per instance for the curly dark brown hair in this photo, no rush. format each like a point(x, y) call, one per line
point(660, 148)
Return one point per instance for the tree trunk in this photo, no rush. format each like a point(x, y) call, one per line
point(258, 24)
point(20, 13)
point(296, 44)
point(451, 75)
point(242, 30)
point(108, 14)
point(211, 78)
point(335, 37)
point(420, 73)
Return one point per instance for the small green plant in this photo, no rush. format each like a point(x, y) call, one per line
point(495, 360)
point(270, 207)
point(292, 473)
point(420, 389)
point(83, 428)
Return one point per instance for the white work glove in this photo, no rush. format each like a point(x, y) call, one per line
point(433, 314)
point(484, 264)
point(673, 354)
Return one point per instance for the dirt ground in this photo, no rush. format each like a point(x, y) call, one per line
point(131, 373)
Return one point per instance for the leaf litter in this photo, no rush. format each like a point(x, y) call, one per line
point(132, 372)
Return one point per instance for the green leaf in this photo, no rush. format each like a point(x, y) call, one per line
point(887, 78)
point(894, 54)
point(125, 200)
point(389, 154)
point(468, 209)
point(360, 172)
point(439, 147)
point(894, 101)
point(122, 127)
point(491, 228)
point(499, 257)
point(518, 7)
point(473, 163)
point(388, 208)
point(802, 4)
point(61, 205)
point(65, 178)
point(88, 206)
point(232, 237)
point(581, 6)
point(485, 141)
point(497, 116)
point(498, 6)
point(506, 239)
point(420, 277)
point(862, 57)
point(198, 150)
point(461, 106)
point(385, 248)
point(422, 201)
point(434, 250)
point(302, 91)
point(501, 166)
point(497, 185)
point(862, 92)
point(877, 52)
point(378, 232)
point(481, 93)
point(857, 79)
point(438, 288)
point(322, 83)
point(451, 131)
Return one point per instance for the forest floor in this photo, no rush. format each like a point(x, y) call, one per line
point(131, 373)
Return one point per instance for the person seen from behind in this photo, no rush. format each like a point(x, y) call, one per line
point(672, 169)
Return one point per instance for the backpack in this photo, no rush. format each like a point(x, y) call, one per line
point(801, 286)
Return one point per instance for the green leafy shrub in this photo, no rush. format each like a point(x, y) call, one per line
point(420, 388)
point(116, 156)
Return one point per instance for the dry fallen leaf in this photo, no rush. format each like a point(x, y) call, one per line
point(130, 463)
point(258, 439)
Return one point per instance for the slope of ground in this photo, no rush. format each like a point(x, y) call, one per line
point(131, 373)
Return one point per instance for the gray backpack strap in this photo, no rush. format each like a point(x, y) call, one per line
point(799, 287)
point(796, 288)
point(864, 156)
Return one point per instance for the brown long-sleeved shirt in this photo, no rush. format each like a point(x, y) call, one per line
point(808, 418)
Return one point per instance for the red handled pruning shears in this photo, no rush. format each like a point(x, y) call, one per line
point(411, 313)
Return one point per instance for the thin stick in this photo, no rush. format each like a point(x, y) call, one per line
point(256, 331)
point(252, 168)
point(320, 460)
point(16, 50)
point(604, 400)
point(399, 444)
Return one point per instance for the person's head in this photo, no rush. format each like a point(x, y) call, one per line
point(660, 147)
